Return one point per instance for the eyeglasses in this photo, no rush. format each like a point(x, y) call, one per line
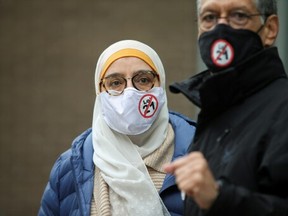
point(235, 20)
point(142, 80)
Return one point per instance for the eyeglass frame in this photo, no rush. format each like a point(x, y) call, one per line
point(155, 74)
point(228, 18)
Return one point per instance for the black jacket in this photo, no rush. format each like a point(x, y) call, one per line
point(242, 131)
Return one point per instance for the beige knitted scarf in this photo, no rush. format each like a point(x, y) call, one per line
point(154, 162)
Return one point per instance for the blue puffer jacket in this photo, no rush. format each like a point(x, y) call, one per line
point(70, 187)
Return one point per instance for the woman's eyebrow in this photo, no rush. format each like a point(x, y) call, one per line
point(114, 74)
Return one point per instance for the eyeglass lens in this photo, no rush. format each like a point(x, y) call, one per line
point(142, 80)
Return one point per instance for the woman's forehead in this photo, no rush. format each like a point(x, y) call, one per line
point(127, 65)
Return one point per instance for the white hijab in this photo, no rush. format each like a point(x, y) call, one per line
point(118, 158)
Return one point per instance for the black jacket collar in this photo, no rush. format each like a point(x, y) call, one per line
point(214, 93)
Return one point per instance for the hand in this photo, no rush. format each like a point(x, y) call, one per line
point(194, 177)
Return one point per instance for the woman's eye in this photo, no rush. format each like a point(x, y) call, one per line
point(115, 82)
point(144, 80)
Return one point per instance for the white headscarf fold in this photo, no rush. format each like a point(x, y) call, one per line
point(118, 158)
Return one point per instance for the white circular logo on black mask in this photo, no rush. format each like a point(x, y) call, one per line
point(222, 53)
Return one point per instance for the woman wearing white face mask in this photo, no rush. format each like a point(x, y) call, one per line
point(116, 168)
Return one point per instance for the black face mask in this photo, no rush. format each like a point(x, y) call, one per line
point(225, 47)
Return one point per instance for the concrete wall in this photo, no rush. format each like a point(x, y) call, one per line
point(48, 52)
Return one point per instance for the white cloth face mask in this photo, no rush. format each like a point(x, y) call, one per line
point(133, 112)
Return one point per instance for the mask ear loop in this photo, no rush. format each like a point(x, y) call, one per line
point(263, 18)
point(260, 29)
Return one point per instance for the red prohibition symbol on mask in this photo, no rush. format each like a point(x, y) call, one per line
point(148, 105)
point(222, 53)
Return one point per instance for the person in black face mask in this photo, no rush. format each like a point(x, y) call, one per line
point(225, 46)
point(238, 160)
